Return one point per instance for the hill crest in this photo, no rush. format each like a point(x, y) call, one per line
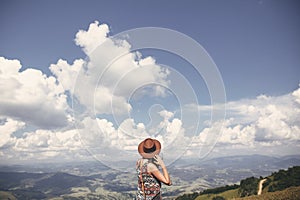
point(249, 188)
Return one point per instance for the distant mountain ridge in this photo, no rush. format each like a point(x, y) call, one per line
point(39, 185)
point(253, 161)
point(94, 180)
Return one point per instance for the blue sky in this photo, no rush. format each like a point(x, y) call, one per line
point(248, 40)
point(254, 44)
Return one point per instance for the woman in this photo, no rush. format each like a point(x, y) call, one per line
point(149, 176)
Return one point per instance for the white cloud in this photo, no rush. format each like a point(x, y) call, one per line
point(46, 145)
point(262, 123)
point(7, 129)
point(102, 84)
point(92, 38)
point(31, 96)
point(296, 95)
point(66, 74)
point(274, 124)
point(112, 72)
point(110, 143)
point(41, 101)
point(46, 140)
point(238, 134)
point(166, 114)
point(107, 102)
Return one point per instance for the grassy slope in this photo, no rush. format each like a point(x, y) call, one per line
point(6, 195)
point(292, 193)
point(230, 194)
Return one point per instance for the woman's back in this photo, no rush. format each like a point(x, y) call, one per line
point(148, 185)
point(149, 175)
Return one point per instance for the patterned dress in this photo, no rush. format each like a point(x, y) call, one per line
point(148, 185)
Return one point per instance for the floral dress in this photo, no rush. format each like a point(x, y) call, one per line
point(148, 186)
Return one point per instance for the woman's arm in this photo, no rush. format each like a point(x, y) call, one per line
point(162, 177)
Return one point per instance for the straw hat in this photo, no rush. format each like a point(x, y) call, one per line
point(149, 148)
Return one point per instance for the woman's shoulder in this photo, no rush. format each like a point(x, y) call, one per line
point(141, 162)
point(151, 167)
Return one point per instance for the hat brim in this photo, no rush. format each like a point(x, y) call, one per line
point(152, 154)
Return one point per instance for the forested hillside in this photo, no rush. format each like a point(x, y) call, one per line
point(284, 182)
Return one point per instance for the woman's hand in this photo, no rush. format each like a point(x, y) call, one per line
point(164, 177)
point(158, 161)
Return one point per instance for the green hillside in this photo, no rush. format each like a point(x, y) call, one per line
point(230, 194)
point(7, 195)
point(291, 193)
point(284, 182)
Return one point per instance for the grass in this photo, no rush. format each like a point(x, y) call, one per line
point(6, 195)
point(230, 194)
point(292, 193)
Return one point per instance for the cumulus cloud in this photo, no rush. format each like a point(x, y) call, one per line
point(39, 144)
point(67, 74)
point(238, 135)
point(265, 121)
point(47, 140)
point(296, 95)
point(7, 129)
point(102, 85)
point(109, 143)
point(97, 136)
point(31, 96)
point(92, 38)
point(104, 81)
point(112, 72)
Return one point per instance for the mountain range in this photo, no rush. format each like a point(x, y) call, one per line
point(93, 180)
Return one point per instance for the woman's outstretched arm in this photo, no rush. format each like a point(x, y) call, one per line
point(162, 177)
